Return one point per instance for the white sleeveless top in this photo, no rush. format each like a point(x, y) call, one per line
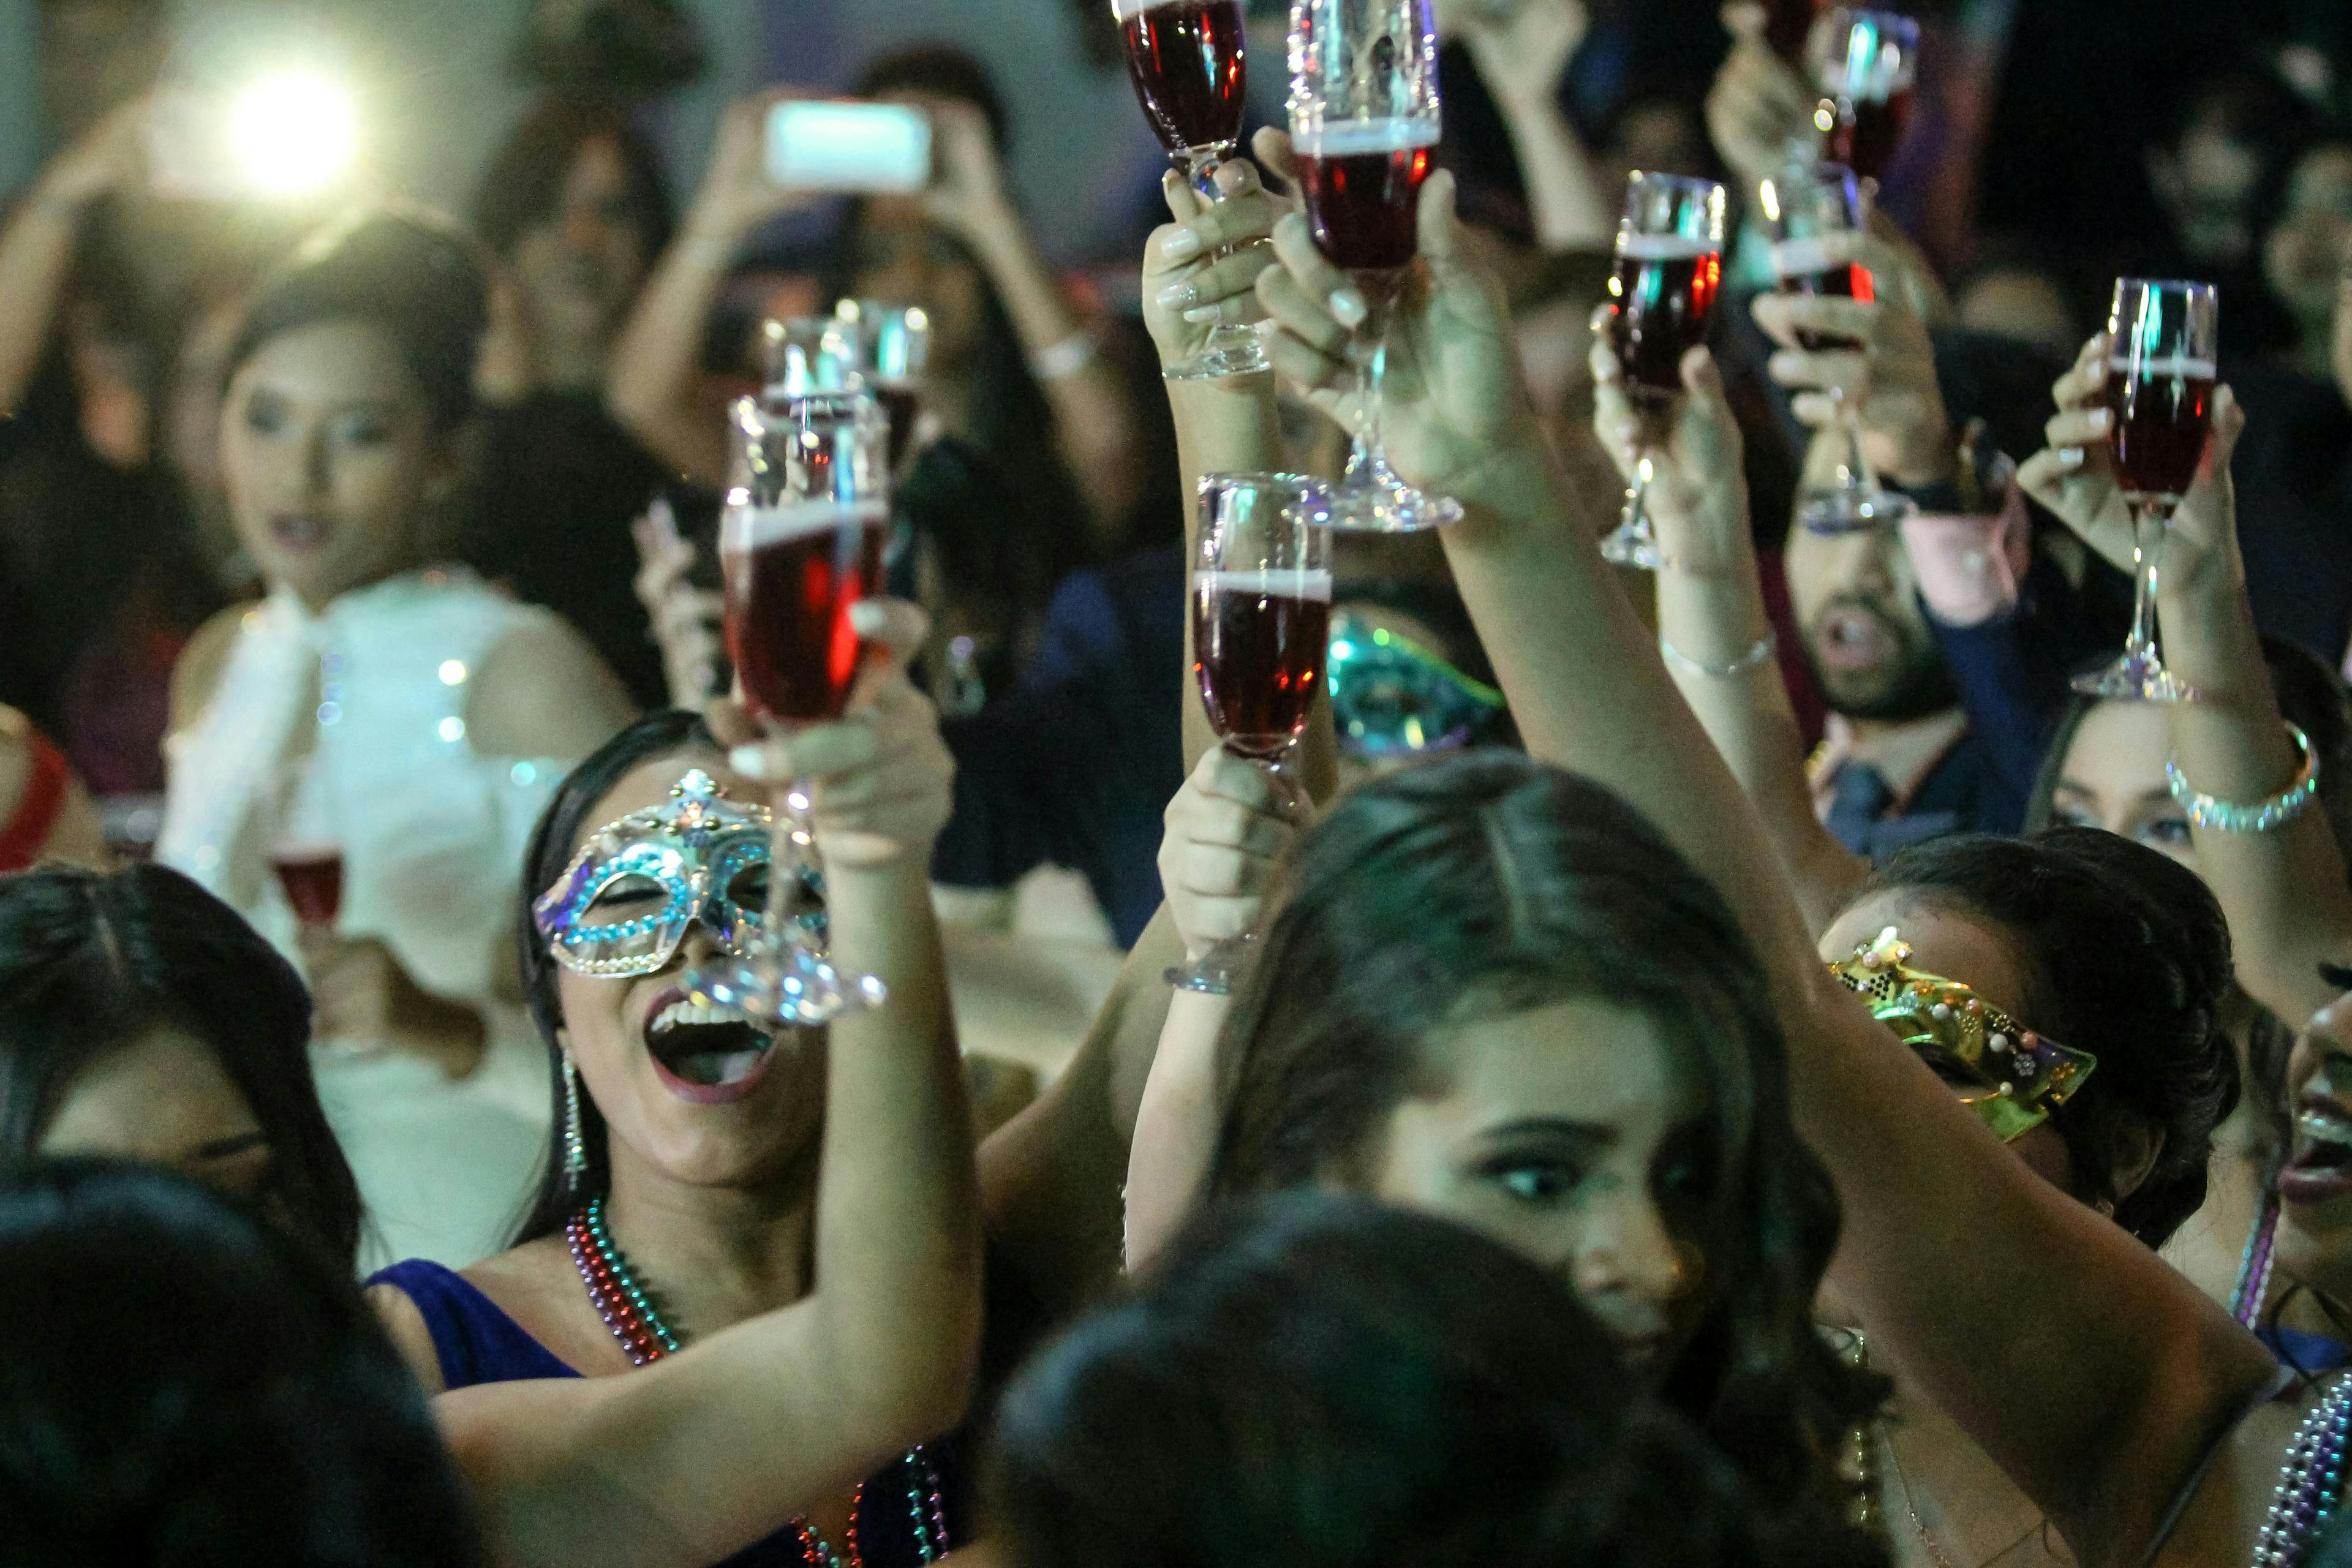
point(433, 833)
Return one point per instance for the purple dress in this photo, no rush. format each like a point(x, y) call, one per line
point(477, 1342)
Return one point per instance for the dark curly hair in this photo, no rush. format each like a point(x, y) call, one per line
point(2126, 955)
point(1313, 1381)
point(89, 962)
point(1486, 884)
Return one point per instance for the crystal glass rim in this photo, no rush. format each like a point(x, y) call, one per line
point(2189, 287)
point(1884, 21)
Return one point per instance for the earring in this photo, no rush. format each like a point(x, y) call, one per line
point(576, 1137)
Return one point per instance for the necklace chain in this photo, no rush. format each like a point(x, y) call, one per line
point(2310, 1482)
point(637, 1323)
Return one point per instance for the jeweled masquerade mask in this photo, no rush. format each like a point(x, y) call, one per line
point(623, 906)
point(1392, 697)
point(2020, 1077)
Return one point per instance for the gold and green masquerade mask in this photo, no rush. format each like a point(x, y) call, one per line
point(2017, 1078)
point(623, 907)
point(1392, 697)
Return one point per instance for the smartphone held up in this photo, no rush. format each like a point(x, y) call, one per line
point(820, 144)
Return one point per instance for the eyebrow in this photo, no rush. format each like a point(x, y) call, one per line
point(1555, 1127)
point(230, 1147)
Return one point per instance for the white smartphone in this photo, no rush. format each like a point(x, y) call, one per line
point(816, 145)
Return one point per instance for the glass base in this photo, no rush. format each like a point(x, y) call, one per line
point(1215, 971)
point(1857, 510)
point(1635, 547)
point(1232, 351)
point(1372, 500)
point(2135, 678)
point(788, 987)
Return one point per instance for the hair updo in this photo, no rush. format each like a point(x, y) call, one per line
point(2126, 955)
point(405, 269)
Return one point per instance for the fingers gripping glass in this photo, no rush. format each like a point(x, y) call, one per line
point(2163, 340)
point(1365, 116)
point(1261, 633)
point(1801, 209)
point(801, 542)
point(1186, 58)
point(1661, 297)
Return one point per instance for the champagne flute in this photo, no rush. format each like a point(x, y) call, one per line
point(2163, 340)
point(1260, 632)
point(1662, 295)
point(1866, 63)
point(886, 349)
point(1365, 116)
point(1186, 58)
point(801, 542)
point(806, 356)
point(1800, 208)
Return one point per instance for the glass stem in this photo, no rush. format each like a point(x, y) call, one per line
point(786, 876)
point(1198, 166)
point(1380, 292)
point(2147, 525)
point(1859, 476)
point(1636, 519)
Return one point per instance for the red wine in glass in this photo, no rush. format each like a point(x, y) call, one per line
point(1260, 641)
point(792, 573)
point(312, 876)
point(1186, 60)
point(1868, 132)
point(901, 405)
point(1663, 292)
point(1804, 267)
point(1786, 25)
point(1866, 63)
point(1361, 180)
point(2162, 418)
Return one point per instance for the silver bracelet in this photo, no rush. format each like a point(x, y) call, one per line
point(2227, 816)
point(1755, 658)
point(1066, 358)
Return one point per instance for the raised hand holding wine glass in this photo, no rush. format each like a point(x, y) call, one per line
point(1661, 297)
point(1365, 117)
point(1866, 65)
point(1261, 634)
point(800, 544)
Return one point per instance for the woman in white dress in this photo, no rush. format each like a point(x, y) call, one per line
point(400, 715)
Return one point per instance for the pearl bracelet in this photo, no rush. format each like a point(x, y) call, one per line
point(2225, 816)
point(1754, 658)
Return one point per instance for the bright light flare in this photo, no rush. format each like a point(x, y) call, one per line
point(294, 133)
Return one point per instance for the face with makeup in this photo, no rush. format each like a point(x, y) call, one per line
point(2112, 778)
point(694, 1092)
point(2315, 1189)
point(330, 458)
point(163, 1097)
point(1574, 1134)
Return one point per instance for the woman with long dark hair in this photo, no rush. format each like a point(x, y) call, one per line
point(146, 1021)
point(1312, 1380)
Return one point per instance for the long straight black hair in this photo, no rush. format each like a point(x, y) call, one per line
point(89, 962)
point(1486, 884)
point(570, 813)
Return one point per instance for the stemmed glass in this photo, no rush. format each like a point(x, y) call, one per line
point(1866, 63)
point(884, 349)
point(1799, 209)
point(805, 355)
point(1186, 58)
point(2163, 340)
point(1261, 631)
point(1661, 296)
point(801, 541)
point(1364, 120)
point(305, 851)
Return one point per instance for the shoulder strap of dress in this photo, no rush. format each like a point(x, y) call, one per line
point(473, 1337)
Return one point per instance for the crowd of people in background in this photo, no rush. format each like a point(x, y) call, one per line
point(1750, 1063)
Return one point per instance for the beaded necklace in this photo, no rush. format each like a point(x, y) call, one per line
point(2310, 1482)
point(2254, 1267)
point(637, 1323)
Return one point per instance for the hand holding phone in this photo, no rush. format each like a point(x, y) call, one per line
point(860, 148)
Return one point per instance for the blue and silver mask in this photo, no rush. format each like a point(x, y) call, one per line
point(1391, 698)
point(623, 906)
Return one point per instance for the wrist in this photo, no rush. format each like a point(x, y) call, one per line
point(1516, 480)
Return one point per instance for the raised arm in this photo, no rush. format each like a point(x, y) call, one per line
point(1713, 631)
point(1521, 55)
point(655, 389)
point(2281, 885)
point(1979, 1279)
point(705, 1452)
point(37, 249)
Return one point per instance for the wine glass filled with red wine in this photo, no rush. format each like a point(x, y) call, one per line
point(2163, 340)
point(1661, 297)
point(801, 541)
point(1801, 209)
point(1866, 63)
point(1186, 60)
point(1261, 631)
point(887, 349)
point(304, 850)
point(1365, 116)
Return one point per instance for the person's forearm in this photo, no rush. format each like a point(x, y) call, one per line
point(37, 255)
point(1175, 1126)
point(1713, 616)
point(2284, 889)
point(897, 1232)
point(1564, 193)
point(655, 387)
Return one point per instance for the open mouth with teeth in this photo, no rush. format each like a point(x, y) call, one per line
point(705, 1052)
point(2321, 1166)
